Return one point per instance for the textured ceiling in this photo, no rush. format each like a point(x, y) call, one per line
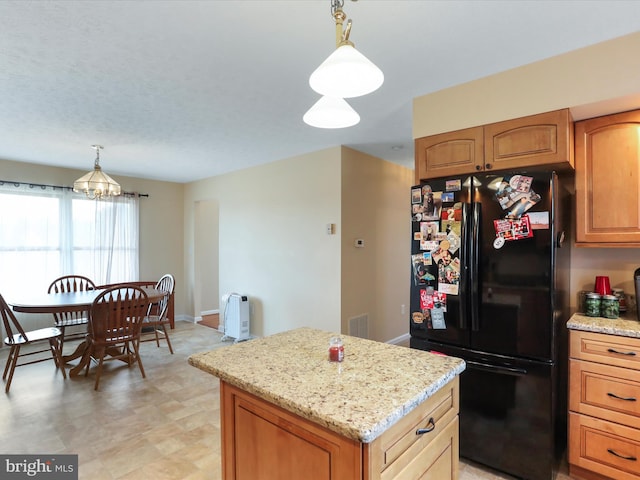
point(185, 90)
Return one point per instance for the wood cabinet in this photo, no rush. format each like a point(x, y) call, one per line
point(604, 406)
point(607, 151)
point(543, 140)
point(260, 440)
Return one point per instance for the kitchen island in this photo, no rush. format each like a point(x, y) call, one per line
point(287, 412)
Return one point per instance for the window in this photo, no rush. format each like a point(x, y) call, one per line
point(48, 232)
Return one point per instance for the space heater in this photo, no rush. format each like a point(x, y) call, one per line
point(236, 317)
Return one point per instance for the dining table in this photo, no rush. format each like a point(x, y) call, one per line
point(42, 302)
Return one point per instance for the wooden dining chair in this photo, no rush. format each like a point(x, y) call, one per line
point(17, 337)
point(115, 318)
point(156, 317)
point(62, 320)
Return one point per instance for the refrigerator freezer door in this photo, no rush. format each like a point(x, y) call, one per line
point(507, 418)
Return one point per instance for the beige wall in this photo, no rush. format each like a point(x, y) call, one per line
point(161, 219)
point(262, 232)
point(592, 81)
point(272, 240)
point(375, 278)
point(206, 288)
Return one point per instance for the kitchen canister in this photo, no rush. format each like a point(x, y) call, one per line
point(592, 304)
point(622, 300)
point(609, 306)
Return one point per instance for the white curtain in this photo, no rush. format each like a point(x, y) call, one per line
point(47, 232)
point(115, 240)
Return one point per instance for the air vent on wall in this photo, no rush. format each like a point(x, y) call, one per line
point(359, 326)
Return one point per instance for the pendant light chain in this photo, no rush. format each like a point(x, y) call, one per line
point(336, 5)
point(97, 161)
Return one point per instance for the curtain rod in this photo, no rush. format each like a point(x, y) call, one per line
point(43, 186)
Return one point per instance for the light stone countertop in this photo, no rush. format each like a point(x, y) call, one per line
point(370, 390)
point(625, 327)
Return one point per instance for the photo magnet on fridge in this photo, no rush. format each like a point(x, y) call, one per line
point(513, 229)
point(437, 318)
point(432, 204)
point(429, 232)
point(417, 317)
point(447, 197)
point(452, 185)
point(539, 220)
point(416, 195)
point(515, 193)
point(520, 183)
point(421, 275)
point(426, 299)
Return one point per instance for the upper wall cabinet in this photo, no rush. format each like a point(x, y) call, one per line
point(539, 140)
point(608, 181)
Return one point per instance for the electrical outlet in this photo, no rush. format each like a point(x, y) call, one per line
point(402, 309)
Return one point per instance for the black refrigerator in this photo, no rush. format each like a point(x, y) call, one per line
point(489, 284)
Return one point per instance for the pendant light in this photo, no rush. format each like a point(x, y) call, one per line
point(346, 73)
point(97, 184)
point(331, 112)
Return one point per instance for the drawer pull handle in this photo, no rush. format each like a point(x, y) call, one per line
point(624, 457)
point(630, 354)
point(628, 399)
point(431, 425)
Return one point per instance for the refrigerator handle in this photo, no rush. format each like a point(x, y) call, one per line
point(465, 235)
point(496, 368)
point(474, 257)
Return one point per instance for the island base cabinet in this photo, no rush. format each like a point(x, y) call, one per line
point(261, 441)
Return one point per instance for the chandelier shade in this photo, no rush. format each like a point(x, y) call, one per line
point(346, 73)
point(97, 184)
point(331, 112)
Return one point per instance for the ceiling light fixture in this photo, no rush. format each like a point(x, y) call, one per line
point(331, 112)
point(346, 73)
point(96, 183)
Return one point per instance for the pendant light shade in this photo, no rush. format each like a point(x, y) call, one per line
point(97, 184)
point(346, 73)
point(331, 112)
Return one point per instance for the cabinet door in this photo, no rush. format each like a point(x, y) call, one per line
point(543, 139)
point(261, 441)
point(608, 180)
point(448, 154)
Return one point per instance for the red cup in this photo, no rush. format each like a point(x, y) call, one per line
point(602, 286)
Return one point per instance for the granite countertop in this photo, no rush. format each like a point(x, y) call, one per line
point(625, 327)
point(370, 390)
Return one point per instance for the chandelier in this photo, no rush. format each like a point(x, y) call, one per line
point(346, 73)
point(97, 184)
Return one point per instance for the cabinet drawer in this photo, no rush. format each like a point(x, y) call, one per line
point(604, 391)
point(604, 447)
point(434, 415)
point(607, 349)
point(437, 462)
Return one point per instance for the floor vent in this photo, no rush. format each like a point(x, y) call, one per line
point(359, 326)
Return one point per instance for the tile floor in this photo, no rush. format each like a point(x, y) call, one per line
point(164, 427)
